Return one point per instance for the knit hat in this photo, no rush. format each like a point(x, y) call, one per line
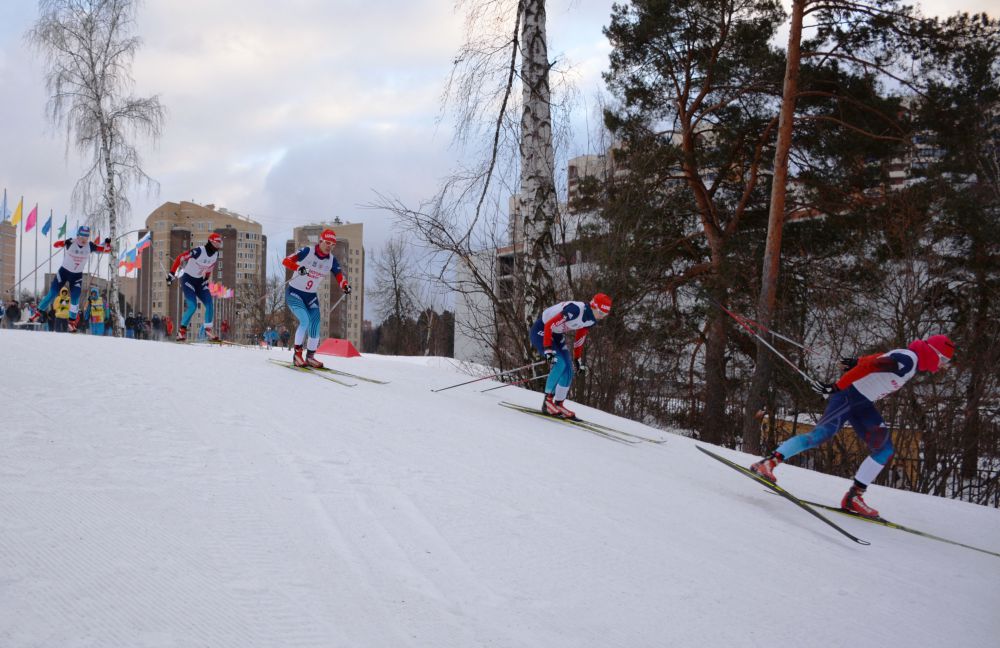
point(933, 352)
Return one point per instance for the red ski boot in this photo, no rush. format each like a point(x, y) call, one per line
point(182, 334)
point(71, 325)
point(549, 407)
point(564, 411)
point(854, 502)
point(297, 358)
point(312, 361)
point(765, 467)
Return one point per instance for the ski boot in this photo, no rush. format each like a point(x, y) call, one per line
point(854, 502)
point(182, 334)
point(564, 411)
point(297, 358)
point(549, 406)
point(71, 326)
point(311, 360)
point(765, 467)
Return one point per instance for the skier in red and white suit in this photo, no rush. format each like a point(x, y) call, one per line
point(852, 398)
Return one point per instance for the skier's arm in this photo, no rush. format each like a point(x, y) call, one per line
point(894, 363)
point(62, 244)
point(581, 335)
point(547, 335)
point(101, 247)
point(339, 276)
point(292, 260)
point(181, 258)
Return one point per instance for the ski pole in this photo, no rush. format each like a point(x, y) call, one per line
point(338, 303)
point(809, 379)
point(483, 391)
point(502, 373)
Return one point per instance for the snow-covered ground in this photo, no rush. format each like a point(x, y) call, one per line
point(161, 495)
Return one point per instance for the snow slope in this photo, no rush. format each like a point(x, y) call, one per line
point(160, 495)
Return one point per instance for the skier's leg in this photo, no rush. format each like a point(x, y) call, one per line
point(75, 286)
point(54, 287)
point(564, 364)
point(837, 412)
point(190, 300)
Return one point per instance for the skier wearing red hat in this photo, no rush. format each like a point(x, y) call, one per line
point(311, 264)
point(198, 264)
point(547, 337)
point(852, 400)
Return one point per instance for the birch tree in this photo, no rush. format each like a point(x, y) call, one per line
point(88, 47)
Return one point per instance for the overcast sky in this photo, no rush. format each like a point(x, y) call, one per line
point(290, 112)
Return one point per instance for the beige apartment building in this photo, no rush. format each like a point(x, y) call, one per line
point(346, 321)
point(8, 254)
point(179, 226)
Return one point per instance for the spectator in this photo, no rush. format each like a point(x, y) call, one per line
point(225, 329)
point(12, 314)
point(60, 320)
point(285, 337)
point(94, 313)
point(168, 325)
point(130, 325)
point(156, 327)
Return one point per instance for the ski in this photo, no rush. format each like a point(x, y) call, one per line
point(781, 491)
point(355, 376)
point(310, 370)
point(893, 525)
point(623, 432)
point(575, 423)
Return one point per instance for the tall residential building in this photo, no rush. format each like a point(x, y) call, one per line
point(346, 321)
point(177, 227)
point(8, 252)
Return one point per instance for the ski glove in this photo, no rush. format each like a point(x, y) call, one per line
point(346, 288)
point(580, 367)
point(303, 270)
point(550, 354)
point(170, 278)
point(824, 389)
point(848, 363)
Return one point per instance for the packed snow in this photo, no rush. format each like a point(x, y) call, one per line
point(165, 495)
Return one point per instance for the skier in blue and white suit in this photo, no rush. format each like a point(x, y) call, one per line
point(547, 338)
point(198, 265)
point(75, 259)
point(311, 265)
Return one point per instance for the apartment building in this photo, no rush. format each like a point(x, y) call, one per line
point(179, 226)
point(8, 258)
point(346, 321)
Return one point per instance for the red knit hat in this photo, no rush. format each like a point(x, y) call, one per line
point(932, 351)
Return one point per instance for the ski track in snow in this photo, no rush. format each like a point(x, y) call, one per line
point(162, 495)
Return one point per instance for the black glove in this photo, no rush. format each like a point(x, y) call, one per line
point(170, 278)
point(824, 389)
point(107, 242)
point(848, 363)
point(580, 367)
point(346, 288)
point(550, 354)
point(303, 270)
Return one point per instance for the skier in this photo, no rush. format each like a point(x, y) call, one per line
point(852, 401)
point(74, 259)
point(547, 338)
point(95, 312)
point(311, 265)
point(198, 264)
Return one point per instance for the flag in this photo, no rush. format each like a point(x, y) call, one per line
point(128, 261)
point(32, 217)
point(144, 242)
point(62, 230)
point(47, 226)
point(16, 218)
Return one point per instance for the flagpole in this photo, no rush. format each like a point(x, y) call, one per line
point(20, 256)
point(50, 239)
point(36, 246)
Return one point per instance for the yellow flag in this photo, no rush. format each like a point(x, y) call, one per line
point(16, 218)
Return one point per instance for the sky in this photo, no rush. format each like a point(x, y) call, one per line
point(290, 113)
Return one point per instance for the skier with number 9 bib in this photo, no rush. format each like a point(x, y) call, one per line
point(852, 399)
point(311, 266)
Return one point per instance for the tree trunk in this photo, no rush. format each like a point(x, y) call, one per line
point(775, 222)
point(109, 203)
point(538, 191)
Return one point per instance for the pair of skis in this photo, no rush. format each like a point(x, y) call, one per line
point(610, 433)
point(333, 375)
point(811, 506)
